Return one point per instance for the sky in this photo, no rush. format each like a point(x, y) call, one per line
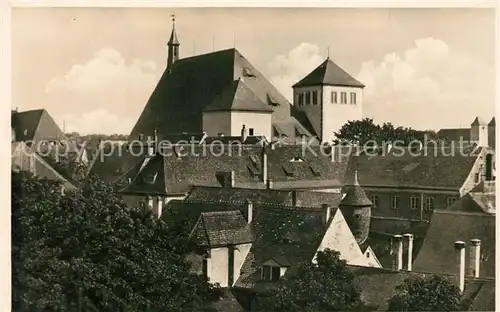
point(93, 69)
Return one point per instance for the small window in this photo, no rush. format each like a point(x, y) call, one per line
point(343, 98)
point(315, 97)
point(357, 216)
point(308, 98)
point(395, 202)
point(250, 131)
point(476, 178)
point(334, 97)
point(429, 203)
point(368, 254)
point(374, 200)
point(150, 178)
point(353, 98)
point(415, 203)
point(301, 99)
point(450, 201)
point(270, 273)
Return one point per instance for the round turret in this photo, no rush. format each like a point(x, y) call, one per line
point(356, 208)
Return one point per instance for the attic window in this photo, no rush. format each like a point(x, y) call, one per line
point(272, 101)
point(270, 273)
point(368, 254)
point(288, 170)
point(247, 72)
point(150, 178)
point(296, 159)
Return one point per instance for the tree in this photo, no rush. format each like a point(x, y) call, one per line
point(365, 131)
point(433, 293)
point(326, 285)
point(87, 251)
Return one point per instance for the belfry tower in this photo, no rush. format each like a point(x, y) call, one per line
point(173, 46)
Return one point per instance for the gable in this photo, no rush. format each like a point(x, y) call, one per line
point(371, 258)
point(339, 237)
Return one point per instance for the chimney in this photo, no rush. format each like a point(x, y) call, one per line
point(294, 198)
point(460, 259)
point(326, 213)
point(249, 205)
point(474, 260)
point(263, 162)
point(269, 184)
point(409, 243)
point(244, 134)
point(397, 252)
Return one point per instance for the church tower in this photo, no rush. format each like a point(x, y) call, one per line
point(479, 132)
point(329, 97)
point(356, 208)
point(173, 46)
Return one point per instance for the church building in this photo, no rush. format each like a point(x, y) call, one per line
point(223, 94)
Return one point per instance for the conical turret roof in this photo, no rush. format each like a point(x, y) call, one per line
point(355, 195)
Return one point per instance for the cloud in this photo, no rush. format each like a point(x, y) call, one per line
point(106, 80)
point(99, 121)
point(426, 86)
point(106, 70)
point(292, 67)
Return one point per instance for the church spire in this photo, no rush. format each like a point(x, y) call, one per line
point(173, 46)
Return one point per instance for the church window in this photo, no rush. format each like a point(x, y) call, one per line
point(353, 98)
point(414, 203)
point(308, 98)
point(343, 98)
point(315, 97)
point(334, 97)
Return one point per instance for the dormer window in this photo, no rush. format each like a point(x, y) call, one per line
point(270, 273)
point(247, 72)
point(150, 178)
point(315, 171)
point(272, 101)
point(288, 170)
point(296, 159)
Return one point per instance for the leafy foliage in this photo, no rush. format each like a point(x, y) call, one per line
point(87, 251)
point(426, 294)
point(364, 132)
point(326, 285)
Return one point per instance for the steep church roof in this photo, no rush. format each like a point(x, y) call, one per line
point(236, 96)
point(329, 73)
point(177, 103)
point(478, 121)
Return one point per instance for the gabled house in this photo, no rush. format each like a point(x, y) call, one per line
point(251, 246)
point(480, 133)
point(24, 158)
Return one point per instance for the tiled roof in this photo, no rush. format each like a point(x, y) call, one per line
point(355, 195)
point(329, 73)
point(449, 226)
point(438, 171)
point(292, 234)
point(475, 202)
point(177, 103)
point(236, 96)
point(379, 285)
point(25, 159)
point(112, 163)
point(222, 228)
point(195, 165)
point(36, 125)
point(239, 195)
point(455, 134)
